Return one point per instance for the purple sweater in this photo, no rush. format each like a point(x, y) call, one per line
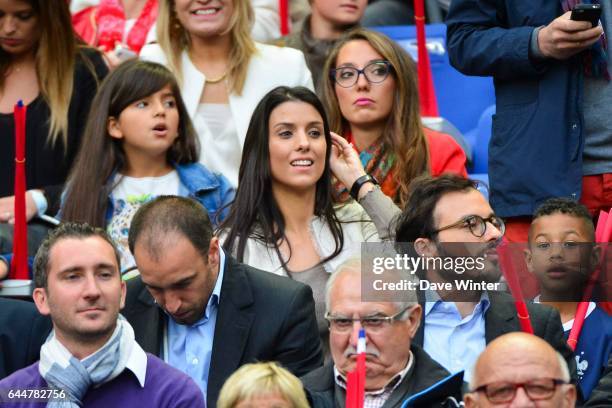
point(165, 387)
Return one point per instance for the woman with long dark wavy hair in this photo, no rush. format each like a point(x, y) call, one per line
point(283, 219)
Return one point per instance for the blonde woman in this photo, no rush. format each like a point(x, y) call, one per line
point(371, 97)
point(262, 385)
point(222, 71)
point(42, 64)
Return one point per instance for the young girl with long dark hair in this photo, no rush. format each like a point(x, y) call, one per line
point(140, 144)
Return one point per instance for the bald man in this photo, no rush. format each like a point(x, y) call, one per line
point(520, 370)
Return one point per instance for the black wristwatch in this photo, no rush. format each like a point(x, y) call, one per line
point(360, 182)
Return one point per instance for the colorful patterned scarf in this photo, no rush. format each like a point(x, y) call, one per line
point(595, 59)
point(377, 162)
point(110, 19)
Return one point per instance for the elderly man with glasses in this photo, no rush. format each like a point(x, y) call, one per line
point(395, 369)
point(520, 370)
point(448, 218)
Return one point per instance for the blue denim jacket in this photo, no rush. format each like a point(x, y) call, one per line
point(210, 189)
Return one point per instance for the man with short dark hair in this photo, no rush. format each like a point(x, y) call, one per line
point(205, 313)
point(91, 357)
point(448, 217)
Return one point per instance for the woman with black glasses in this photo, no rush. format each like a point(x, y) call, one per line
point(371, 97)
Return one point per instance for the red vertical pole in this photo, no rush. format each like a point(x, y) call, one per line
point(19, 266)
point(283, 11)
point(427, 93)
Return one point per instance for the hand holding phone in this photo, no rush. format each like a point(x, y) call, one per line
point(564, 37)
point(587, 12)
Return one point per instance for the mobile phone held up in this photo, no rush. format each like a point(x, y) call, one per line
point(587, 12)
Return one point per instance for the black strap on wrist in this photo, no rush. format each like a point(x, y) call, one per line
point(359, 183)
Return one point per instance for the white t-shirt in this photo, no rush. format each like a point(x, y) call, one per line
point(219, 141)
point(127, 197)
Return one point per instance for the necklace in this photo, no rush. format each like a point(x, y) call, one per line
point(216, 80)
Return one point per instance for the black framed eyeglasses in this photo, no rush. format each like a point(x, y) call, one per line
point(502, 392)
point(476, 224)
point(373, 324)
point(375, 72)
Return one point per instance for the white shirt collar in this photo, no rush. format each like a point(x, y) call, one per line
point(137, 363)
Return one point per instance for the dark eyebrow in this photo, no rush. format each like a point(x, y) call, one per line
point(347, 65)
point(167, 94)
point(465, 217)
point(178, 283)
point(183, 281)
point(78, 268)
point(315, 123)
point(350, 64)
point(71, 269)
point(566, 232)
point(28, 9)
point(285, 124)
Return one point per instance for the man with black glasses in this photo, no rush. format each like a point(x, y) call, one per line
point(395, 369)
point(448, 218)
point(520, 370)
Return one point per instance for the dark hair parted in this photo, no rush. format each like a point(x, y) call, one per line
point(66, 230)
point(567, 206)
point(156, 221)
point(255, 213)
point(417, 220)
point(101, 155)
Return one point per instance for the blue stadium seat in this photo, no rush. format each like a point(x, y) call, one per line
point(482, 135)
point(461, 99)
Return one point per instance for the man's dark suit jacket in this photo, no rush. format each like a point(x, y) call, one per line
point(261, 317)
point(22, 331)
point(324, 393)
point(501, 318)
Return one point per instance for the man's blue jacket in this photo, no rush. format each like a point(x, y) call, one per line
point(536, 146)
